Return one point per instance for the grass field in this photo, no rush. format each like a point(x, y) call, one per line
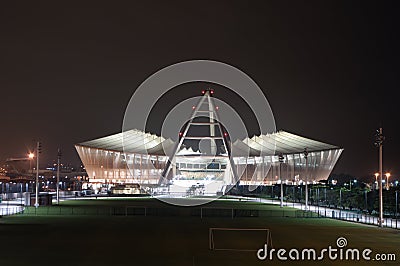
point(102, 232)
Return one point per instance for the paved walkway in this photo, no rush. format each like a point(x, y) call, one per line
point(338, 214)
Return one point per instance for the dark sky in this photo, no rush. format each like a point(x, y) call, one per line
point(330, 69)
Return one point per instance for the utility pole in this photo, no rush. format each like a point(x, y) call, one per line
point(281, 158)
point(379, 138)
point(58, 176)
point(306, 157)
point(38, 151)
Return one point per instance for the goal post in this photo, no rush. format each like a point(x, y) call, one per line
point(239, 239)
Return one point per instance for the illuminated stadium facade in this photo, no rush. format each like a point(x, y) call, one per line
point(215, 161)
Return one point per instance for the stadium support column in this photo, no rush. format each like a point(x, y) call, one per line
point(281, 158)
point(173, 167)
point(379, 138)
point(211, 108)
point(306, 157)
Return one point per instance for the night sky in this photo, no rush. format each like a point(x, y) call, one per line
point(330, 69)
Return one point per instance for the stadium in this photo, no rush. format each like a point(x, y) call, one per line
point(210, 162)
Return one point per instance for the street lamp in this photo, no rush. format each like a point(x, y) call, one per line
point(387, 180)
point(31, 155)
point(379, 138)
point(376, 180)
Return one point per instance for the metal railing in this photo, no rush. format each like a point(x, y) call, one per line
point(11, 210)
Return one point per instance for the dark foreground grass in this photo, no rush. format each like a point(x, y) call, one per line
point(180, 239)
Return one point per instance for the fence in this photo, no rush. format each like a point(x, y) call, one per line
point(363, 218)
point(10, 210)
point(202, 212)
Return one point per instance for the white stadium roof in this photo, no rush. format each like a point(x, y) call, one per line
point(281, 142)
point(136, 141)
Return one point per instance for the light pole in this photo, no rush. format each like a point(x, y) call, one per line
point(21, 193)
point(31, 155)
point(396, 207)
point(281, 158)
point(318, 199)
point(387, 180)
point(379, 138)
point(38, 151)
point(272, 192)
point(366, 201)
point(301, 197)
point(58, 176)
point(325, 200)
point(306, 157)
point(294, 197)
